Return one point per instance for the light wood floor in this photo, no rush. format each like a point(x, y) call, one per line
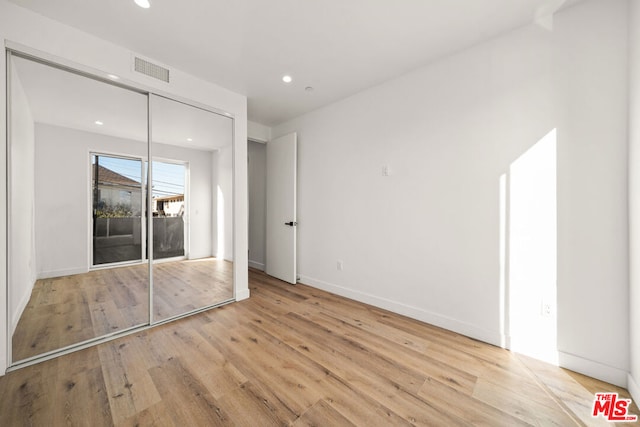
point(294, 355)
point(71, 309)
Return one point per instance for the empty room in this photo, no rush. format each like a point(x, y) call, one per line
point(320, 213)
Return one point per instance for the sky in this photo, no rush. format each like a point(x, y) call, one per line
point(168, 178)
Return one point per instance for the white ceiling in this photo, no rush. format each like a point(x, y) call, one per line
point(339, 47)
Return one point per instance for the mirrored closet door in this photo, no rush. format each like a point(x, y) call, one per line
point(191, 205)
point(75, 192)
point(102, 241)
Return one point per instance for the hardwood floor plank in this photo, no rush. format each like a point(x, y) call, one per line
point(447, 374)
point(210, 366)
point(28, 400)
point(350, 371)
point(291, 381)
point(469, 409)
point(251, 404)
point(521, 406)
point(291, 294)
point(89, 388)
point(368, 360)
point(322, 414)
point(157, 415)
point(187, 399)
point(349, 400)
point(373, 322)
point(129, 386)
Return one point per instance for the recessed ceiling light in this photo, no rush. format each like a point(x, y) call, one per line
point(143, 3)
point(189, 139)
point(98, 122)
point(113, 76)
point(287, 79)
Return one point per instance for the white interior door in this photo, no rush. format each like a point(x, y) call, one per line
point(281, 208)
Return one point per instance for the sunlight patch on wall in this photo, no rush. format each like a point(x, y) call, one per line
point(528, 251)
point(220, 218)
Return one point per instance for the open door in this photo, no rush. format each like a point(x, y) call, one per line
point(281, 208)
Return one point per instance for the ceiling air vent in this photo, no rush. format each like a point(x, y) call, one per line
point(151, 69)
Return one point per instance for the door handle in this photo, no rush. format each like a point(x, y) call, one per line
point(291, 223)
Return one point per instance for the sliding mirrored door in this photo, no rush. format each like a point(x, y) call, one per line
point(192, 208)
point(77, 146)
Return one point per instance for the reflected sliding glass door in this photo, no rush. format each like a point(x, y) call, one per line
point(169, 207)
point(117, 204)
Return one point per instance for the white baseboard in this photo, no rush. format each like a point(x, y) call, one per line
point(242, 294)
point(260, 266)
point(15, 318)
point(593, 369)
point(463, 328)
point(60, 273)
point(634, 389)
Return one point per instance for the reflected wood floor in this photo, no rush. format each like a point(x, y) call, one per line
point(294, 355)
point(67, 310)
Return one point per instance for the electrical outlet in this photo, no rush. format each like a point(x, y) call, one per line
point(339, 265)
point(547, 309)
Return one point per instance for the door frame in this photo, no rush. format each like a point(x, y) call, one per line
point(143, 220)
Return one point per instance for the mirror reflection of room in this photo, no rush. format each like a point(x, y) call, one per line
point(57, 298)
point(196, 144)
point(83, 221)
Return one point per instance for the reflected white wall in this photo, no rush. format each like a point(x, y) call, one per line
point(22, 244)
point(224, 203)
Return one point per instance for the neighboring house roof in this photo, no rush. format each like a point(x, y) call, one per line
point(109, 177)
point(174, 198)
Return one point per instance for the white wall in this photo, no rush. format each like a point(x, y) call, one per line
point(18, 25)
point(426, 240)
point(634, 199)
point(62, 191)
point(258, 132)
point(257, 203)
point(23, 257)
point(223, 205)
point(591, 63)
